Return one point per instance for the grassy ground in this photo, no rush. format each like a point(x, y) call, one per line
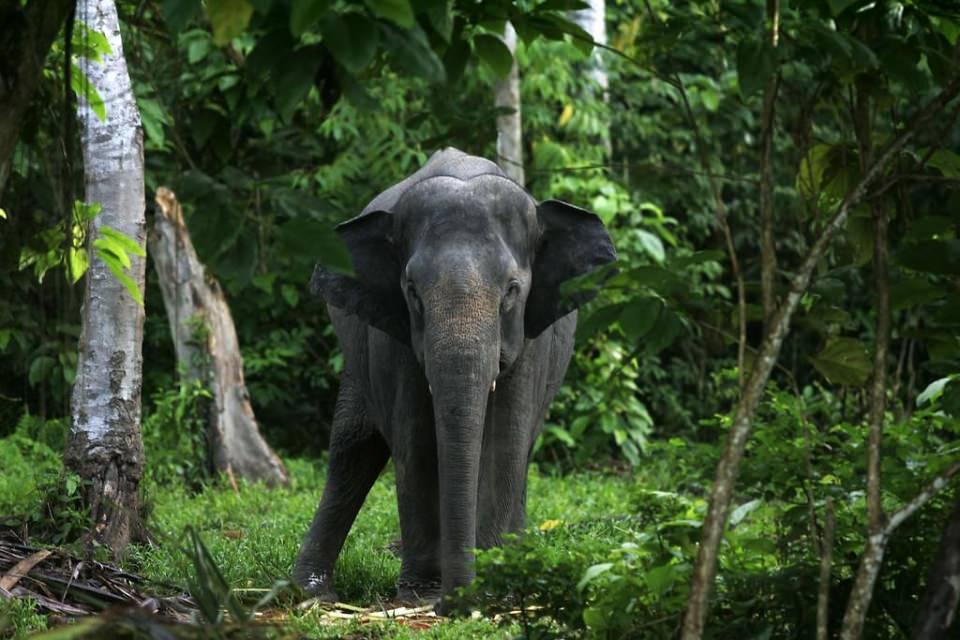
point(253, 536)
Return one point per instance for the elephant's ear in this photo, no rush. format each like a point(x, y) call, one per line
point(573, 242)
point(373, 293)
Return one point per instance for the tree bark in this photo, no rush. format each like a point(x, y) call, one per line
point(26, 34)
point(938, 608)
point(506, 95)
point(826, 565)
point(768, 250)
point(592, 19)
point(721, 494)
point(104, 445)
point(862, 593)
point(208, 350)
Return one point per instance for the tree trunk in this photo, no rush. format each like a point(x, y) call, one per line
point(593, 20)
point(104, 446)
point(26, 33)
point(506, 95)
point(938, 609)
point(208, 350)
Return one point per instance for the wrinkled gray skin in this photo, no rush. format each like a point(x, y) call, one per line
point(455, 338)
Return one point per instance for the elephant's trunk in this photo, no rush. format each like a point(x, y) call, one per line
point(461, 360)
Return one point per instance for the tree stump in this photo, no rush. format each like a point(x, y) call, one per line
point(207, 349)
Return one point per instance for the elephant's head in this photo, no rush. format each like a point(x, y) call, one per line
point(464, 271)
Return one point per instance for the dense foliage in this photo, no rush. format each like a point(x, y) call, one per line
point(272, 128)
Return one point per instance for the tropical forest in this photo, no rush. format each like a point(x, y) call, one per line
point(441, 319)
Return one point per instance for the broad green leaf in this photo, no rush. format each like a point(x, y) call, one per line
point(745, 509)
point(351, 38)
point(89, 43)
point(304, 13)
point(933, 391)
point(123, 279)
point(3, 214)
point(229, 18)
point(79, 263)
point(129, 244)
point(844, 361)
point(179, 13)
point(592, 573)
point(932, 256)
point(40, 368)
point(440, 15)
point(294, 80)
point(639, 316)
point(947, 162)
point(756, 60)
point(598, 320)
point(108, 249)
point(914, 292)
point(410, 52)
point(455, 59)
point(494, 53)
point(651, 244)
point(315, 241)
point(84, 89)
point(397, 11)
point(659, 579)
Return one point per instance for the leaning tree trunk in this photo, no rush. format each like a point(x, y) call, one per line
point(506, 96)
point(207, 349)
point(104, 445)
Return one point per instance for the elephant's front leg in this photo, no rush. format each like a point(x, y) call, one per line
point(357, 455)
point(418, 500)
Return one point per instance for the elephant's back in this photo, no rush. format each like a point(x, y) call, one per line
point(447, 162)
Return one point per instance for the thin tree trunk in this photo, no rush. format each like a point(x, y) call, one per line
point(506, 95)
point(26, 33)
point(104, 445)
point(592, 19)
point(768, 250)
point(826, 562)
point(721, 494)
point(938, 608)
point(208, 350)
point(859, 601)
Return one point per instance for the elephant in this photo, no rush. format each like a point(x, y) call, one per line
point(456, 334)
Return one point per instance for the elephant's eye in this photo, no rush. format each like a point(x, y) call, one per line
point(415, 303)
point(510, 297)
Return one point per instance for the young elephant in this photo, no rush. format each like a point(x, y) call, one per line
point(455, 337)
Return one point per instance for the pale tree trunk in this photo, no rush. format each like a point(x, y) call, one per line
point(208, 350)
point(105, 447)
point(506, 95)
point(938, 608)
point(593, 20)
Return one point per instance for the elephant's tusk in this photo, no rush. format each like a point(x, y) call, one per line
point(493, 387)
point(430, 389)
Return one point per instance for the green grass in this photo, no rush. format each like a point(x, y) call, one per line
point(253, 536)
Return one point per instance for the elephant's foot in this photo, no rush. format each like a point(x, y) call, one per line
point(417, 592)
point(316, 584)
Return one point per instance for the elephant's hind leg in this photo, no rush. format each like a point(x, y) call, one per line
point(357, 456)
